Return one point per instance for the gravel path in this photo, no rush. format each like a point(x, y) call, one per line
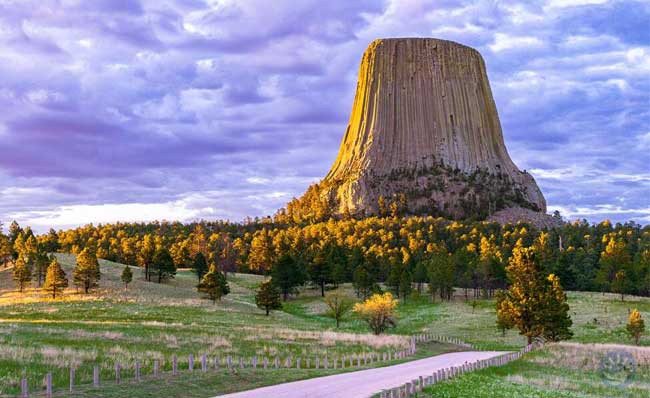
point(364, 383)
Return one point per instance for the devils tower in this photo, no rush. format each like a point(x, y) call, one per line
point(424, 137)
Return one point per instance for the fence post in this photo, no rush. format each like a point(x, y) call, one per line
point(204, 363)
point(72, 376)
point(216, 362)
point(276, 362)
point(254, 362)
point(155, 369)
point(190, 362)
point(266, 362)
point(326, 363)
point(117, 373)
point(137, 370)
point(241, 363)
point(48, 385)
point(308, 366)
point(96, 376)
point(317, 363)
point(23, 388)
point(174, 365)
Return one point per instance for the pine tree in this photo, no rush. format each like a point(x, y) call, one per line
point(420, 275)
point(535, 304)
point(22, 273)
point(320, 271)
point(635, 326)
point(199, 265)
point(557, 322)
point(55, 279)
point(5, 250)
point(41, 264)
point(504, 314)
point(127, 276)
point(86, 273)
point(287, 274)
point(364, 284)
point(394, 277)
point(405, 282)
point(268, 297)
point(214, 284)
point(162, 264)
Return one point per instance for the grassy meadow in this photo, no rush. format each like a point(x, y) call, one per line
point(564, 370)
point(149, 321)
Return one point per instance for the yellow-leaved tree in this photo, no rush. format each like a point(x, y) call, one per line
point(378, 311)
point(635, 326)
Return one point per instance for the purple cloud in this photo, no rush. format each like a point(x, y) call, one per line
point(228, 109)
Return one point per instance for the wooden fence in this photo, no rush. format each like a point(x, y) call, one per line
point(203, 363)
point(413, 388)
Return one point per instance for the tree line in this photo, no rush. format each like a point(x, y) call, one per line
point(425, 254)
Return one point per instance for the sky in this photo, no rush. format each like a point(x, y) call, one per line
point(137, 110)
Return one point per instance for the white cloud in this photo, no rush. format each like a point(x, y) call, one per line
point(574, 3)
point(504, 41)
point(106, 213)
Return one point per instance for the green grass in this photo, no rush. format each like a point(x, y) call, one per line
point(554, 372)
point(149, 322)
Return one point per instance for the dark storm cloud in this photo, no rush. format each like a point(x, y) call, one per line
point(230, 108)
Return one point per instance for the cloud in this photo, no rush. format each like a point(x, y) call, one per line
point(223, 109)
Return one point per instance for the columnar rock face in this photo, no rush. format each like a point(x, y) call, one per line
point(424, 134)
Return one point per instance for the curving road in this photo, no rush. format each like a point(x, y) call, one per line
point(364, 383)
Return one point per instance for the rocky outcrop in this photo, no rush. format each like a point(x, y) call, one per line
point(424, 134)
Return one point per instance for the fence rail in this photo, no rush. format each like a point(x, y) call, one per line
point(413, 388)
point(137, 373)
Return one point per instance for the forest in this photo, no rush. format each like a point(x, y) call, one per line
point(406, 254)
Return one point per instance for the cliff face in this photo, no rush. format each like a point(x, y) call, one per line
point(424, 133)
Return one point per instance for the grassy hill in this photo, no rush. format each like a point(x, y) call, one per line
point(151, 321)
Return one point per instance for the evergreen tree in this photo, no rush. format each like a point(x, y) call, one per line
point(556, 319)
point(22, 273)
point(55, 279)
point(127, 276)
point(420, 275)
point(200, 265)
point(214, 284)
point(505, 320)
point(614, 259)
point(6, 251)
point(405, 282)
point(320, 271)
point(363, 283)
point(535, 304)
point(41, 264)
point(635, 326)
point(146, 255)
point(287, 274)
point(441, 275)
point(394, 277)
point(163, 266)
point(86, 273)
point(268, 297)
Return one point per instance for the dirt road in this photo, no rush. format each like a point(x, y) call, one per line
point(364, 383)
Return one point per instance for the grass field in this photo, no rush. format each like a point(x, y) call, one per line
point(149, 321)
point(565, 370)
